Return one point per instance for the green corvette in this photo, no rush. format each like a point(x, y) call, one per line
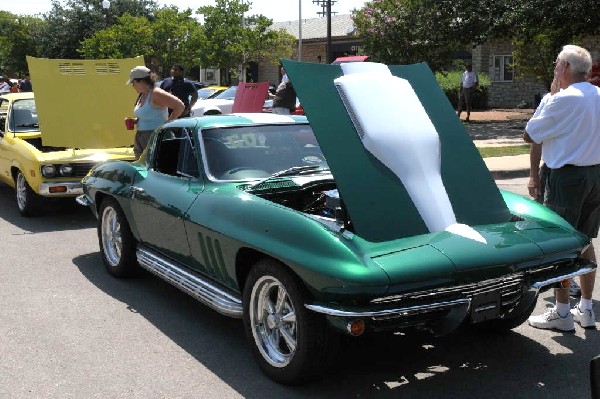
point(303, 233)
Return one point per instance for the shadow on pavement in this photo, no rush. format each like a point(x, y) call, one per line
point(57, 215)
point(408, 365)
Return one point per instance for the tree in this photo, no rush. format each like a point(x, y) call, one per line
point(233, 41)
point(16, 42)
point(171, 37)
point(539, 29)
point(67, 26)
point(409, 31)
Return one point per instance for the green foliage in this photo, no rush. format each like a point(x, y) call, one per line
point(69, 24)
point(539, 29)
point(234, 40)
point(450, 84)
point(171, 37)
point(82, 29)
point(503, 151)
point(410, 31)
point(16, 42)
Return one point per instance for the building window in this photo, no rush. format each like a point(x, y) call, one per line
point(501, 68)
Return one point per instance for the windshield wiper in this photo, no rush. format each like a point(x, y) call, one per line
point(295, 170)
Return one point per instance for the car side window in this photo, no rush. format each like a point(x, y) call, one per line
point(175, 154)
point(3, 113)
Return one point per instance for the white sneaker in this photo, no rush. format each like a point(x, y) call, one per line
point(585, 318)
point(552, 321)
point(574, 289)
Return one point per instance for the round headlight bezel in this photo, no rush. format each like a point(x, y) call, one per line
point(48, 170)
point(66, 170)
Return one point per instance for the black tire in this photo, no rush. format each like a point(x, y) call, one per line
point(313, 342)
point(117, 244)
point(29, 203)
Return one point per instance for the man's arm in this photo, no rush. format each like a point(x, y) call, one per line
point(535, 156)
point(194, 96)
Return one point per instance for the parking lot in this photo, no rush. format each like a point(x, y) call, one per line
point(69, 330)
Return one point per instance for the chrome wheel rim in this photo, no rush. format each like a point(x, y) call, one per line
point(273, 319)
point(112, 242)
point(21, 191)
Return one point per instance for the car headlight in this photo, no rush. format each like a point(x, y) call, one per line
point(48, 170)
point(66, 170)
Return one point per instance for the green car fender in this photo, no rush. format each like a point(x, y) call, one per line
point(324, 259)
point(528, 208)
point(113, 178)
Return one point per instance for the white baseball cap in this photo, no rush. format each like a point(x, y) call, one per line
point(139, 72)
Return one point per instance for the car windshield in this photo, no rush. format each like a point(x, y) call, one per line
point(24, 116)
point(228, 94)
point(208, 93)
point(258, 152)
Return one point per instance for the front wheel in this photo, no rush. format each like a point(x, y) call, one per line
point(117, 243)
point(289, 342)
point(28, 201)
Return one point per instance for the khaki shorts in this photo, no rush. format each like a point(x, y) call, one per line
point(141, 141)
point(574, 193)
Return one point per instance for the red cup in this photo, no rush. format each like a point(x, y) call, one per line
point(129, 123)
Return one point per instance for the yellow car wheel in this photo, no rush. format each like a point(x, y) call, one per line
point(28, 201)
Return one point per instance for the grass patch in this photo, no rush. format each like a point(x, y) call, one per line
point(503, 151)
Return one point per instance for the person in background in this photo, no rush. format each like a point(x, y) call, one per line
point(285, 96)
point(151, 107)
point(568, 129)
point(5, 85)
point(25, 85)
point(468, 84)
point(15, 87)
point(180, 88)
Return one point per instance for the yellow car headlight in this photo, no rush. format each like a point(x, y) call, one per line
point(48, 170)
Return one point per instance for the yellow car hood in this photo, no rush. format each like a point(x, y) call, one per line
point(82, 103)
point(88, 155)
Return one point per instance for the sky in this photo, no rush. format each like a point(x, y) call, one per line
point(277, 10)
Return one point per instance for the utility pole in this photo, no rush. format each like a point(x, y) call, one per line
point(326, 6)
point(299, 30)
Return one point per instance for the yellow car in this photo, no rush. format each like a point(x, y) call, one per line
point(75, 135)
point(210, 91)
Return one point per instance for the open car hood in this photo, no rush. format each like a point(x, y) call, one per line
point(376, 199)
point(82, 103)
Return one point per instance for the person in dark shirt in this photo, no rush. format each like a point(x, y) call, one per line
point(181, 88)
point(25, 85)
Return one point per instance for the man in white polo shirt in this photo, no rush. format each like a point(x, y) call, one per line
point(468, 83)
point(568, 128)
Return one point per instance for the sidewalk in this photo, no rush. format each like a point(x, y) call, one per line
point(501, 128)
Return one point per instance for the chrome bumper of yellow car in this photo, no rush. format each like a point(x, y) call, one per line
point(60, 189)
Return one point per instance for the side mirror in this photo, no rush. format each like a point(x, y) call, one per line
point(2, 125)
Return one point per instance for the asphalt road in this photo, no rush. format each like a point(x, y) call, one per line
point(68, 330)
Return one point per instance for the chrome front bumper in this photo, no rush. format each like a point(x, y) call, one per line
point(70, 189)
point(460, 307)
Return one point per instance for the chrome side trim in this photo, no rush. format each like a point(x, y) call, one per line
point(83, 200)
point(391, 313)
point(73, 188)
point(540, 284)
point(194, 285)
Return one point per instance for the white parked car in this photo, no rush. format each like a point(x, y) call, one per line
point(221, 104)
